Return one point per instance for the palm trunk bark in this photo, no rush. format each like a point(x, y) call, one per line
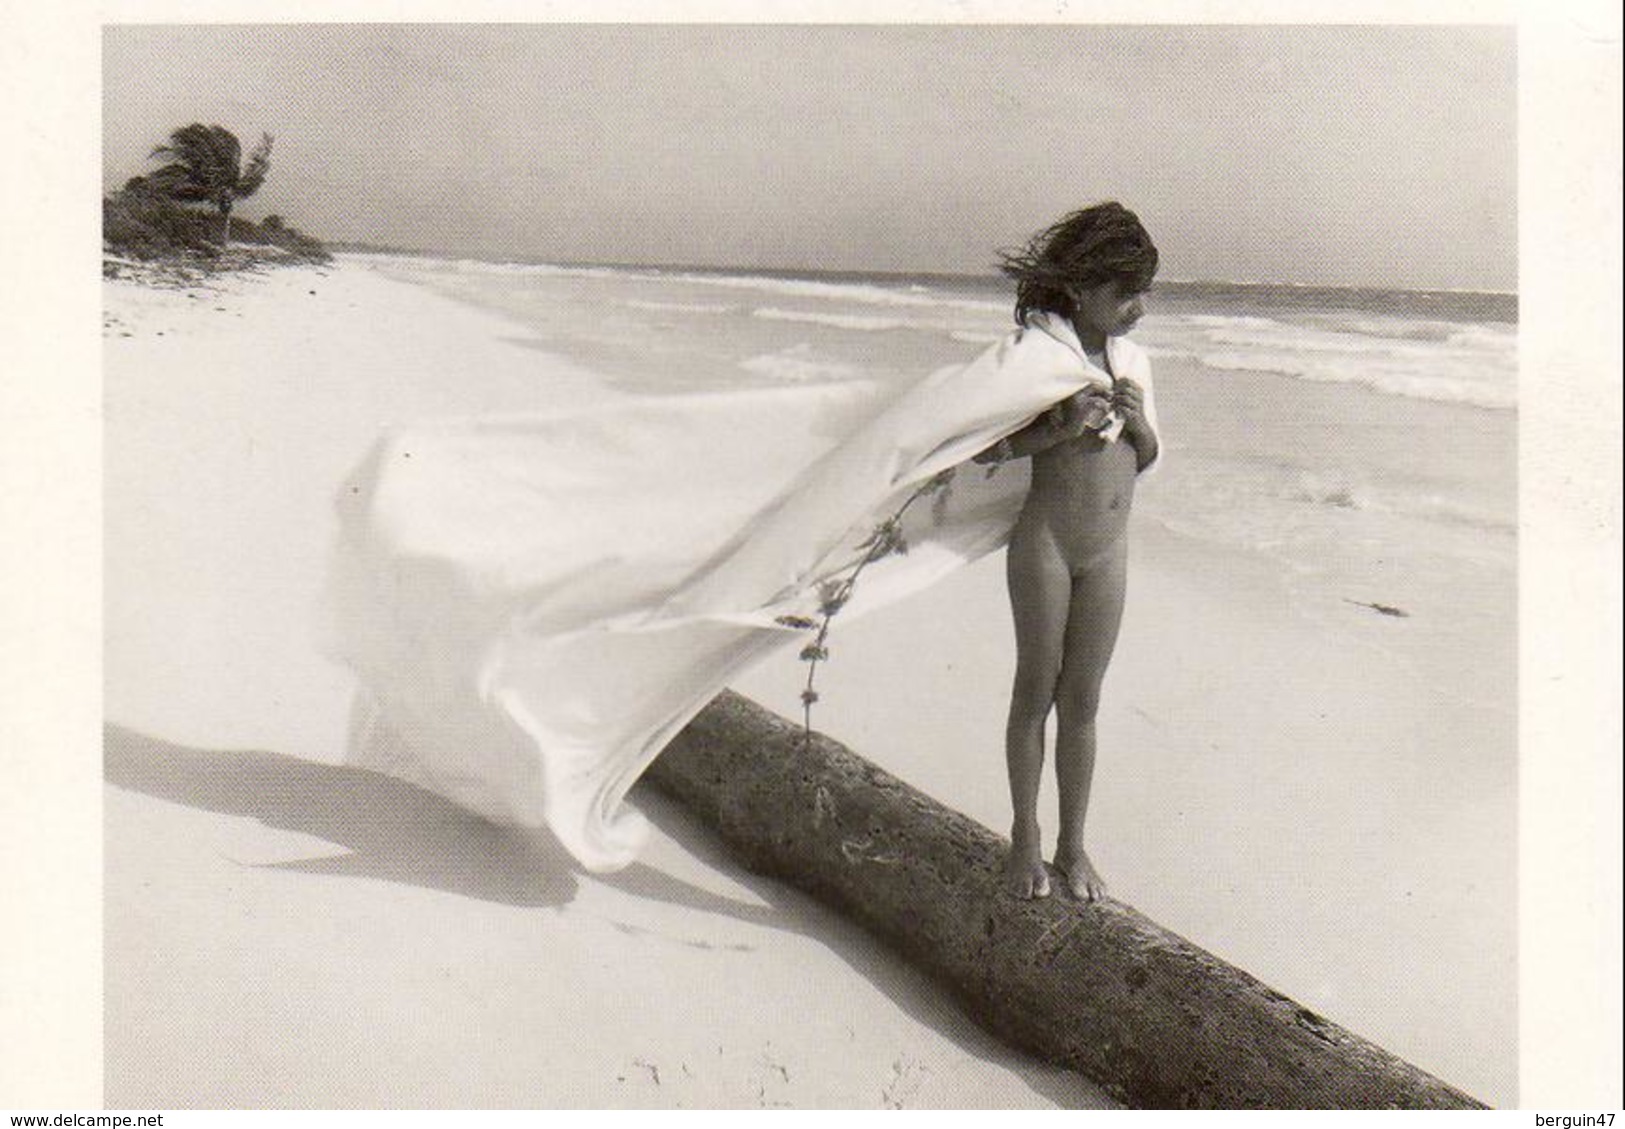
point(1154, 1020)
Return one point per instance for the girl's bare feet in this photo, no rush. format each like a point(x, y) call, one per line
point(1024, 872)
point(1081, 876)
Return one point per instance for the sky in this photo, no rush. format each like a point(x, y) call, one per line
point(1370, 156)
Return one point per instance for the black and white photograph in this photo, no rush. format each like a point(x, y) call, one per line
point(697, 563)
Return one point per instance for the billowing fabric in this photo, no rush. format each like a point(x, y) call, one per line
point(535, 605)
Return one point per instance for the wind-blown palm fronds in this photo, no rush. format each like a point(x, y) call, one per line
point(206, 166)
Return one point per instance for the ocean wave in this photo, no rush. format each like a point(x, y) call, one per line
point(799, 365)
point(1470, 384)
point(1501, 338)
point(865, 293)
point(679, 307)
point(1361, 323)
point(1424, 359)
point(973, 337)
point(1489, 335)
point(1225, 321)
point(952, 327)
point(865, 322)
point(548, 270)
point(1478, 345)
point(441, 264)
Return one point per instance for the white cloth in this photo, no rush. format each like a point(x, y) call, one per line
point(535, 605)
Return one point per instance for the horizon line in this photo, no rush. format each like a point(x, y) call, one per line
point(357, 246)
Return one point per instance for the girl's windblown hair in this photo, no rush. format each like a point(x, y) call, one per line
point(1103, 243)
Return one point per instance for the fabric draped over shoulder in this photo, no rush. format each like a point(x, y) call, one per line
point(535, 605)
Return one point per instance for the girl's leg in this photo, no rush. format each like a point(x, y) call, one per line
point(1091, 634)
point(1040, 594)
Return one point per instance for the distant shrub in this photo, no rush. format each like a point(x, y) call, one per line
point(289, 238)
point(139, 222)
point(142, 225)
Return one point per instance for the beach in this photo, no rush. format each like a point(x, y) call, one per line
point(1308, 738)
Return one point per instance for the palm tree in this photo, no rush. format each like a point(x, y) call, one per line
point(206, 166)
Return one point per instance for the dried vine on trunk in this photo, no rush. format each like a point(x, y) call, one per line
point(883, 541)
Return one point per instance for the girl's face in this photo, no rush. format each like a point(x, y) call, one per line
point(1107, 308)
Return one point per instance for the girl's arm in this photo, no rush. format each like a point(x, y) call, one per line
point(1130, 401)
point(1066, 420)
point(1146, 448)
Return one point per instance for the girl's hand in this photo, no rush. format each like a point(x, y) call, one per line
point(1081, 412)
point(1129, 399)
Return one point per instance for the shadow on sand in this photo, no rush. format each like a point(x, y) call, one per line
point(396, 832)
point(392, 830)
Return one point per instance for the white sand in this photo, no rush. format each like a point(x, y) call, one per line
point(1313, 813)
point(284, 932)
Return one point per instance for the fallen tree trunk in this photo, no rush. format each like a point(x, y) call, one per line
point(1101, 989)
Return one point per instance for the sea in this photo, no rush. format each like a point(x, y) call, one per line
point(1344, 459)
